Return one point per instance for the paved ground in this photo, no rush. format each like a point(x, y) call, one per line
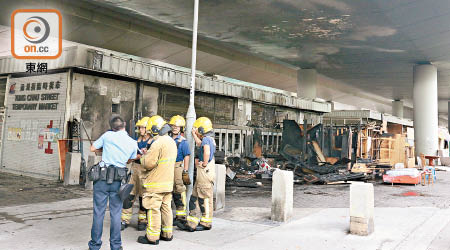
point(19, 190)
point(65, 225)
point(337, 196)
point(320, 220)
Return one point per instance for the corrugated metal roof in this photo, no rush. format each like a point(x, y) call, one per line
point(165, 74)
point(367, 114)
point(354, 114)
point(397, 120)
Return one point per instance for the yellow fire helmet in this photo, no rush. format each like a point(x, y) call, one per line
point(155, 123)
point(143, 122)
point(203, 124)
point(177, 120)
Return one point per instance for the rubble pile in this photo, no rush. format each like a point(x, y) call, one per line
point(299, 152)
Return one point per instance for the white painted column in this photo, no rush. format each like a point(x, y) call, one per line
point(307, 83)
point(219, 187)
point(397, 108)
point(282, 195)
point(72, 169)
point(425, 109)
point(362, 206)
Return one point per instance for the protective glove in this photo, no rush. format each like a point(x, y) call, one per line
point(128, 203)
point(185, 177)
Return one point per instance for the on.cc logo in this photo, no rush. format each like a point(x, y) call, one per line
point(36, 34)
point(39, 26)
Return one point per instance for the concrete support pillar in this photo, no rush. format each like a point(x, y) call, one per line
point(72, 169)
point(361, 208)
point(307, 83)
point(397, 108)
point(425, 109)
point(282, 195)
point(219, 187)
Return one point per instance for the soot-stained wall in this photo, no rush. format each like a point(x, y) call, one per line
point(93, 98)
point(175, 101)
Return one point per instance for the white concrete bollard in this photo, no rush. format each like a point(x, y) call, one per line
point(92, 159)
point(282, 195)
point(219, 187)
point(361, 208)
point(72, 169)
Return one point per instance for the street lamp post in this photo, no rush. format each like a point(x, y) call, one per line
point(191, 116)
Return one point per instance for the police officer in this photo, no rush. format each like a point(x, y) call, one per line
point(202, 194)
point(181, 177)
point(158, 175)
point(118, 148)
point(127, 211)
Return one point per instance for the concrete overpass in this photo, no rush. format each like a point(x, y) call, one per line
point(364, 51)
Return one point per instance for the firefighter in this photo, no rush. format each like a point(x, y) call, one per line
point(181, 177)
point(127, 212)
point(202, 194)
point(158, 174)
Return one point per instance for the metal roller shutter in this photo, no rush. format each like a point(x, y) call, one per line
point(34, 122)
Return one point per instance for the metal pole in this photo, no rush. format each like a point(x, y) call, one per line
point(191, 116)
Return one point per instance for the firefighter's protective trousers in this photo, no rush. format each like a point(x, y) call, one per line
point(159, 215)
point(135, 179)
point(202, 197)
point(179, 192)
point(158, 176)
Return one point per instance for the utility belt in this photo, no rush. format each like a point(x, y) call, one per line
point(111, 173)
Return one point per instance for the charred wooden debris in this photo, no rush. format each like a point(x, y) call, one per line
point(322, 154)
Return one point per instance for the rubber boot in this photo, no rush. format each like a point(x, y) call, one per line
point(123, 225)
point(144, 240)
point(141, 226)
point(185, 227)
point(177, 222)
point(200, 227)
point(166, 239)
